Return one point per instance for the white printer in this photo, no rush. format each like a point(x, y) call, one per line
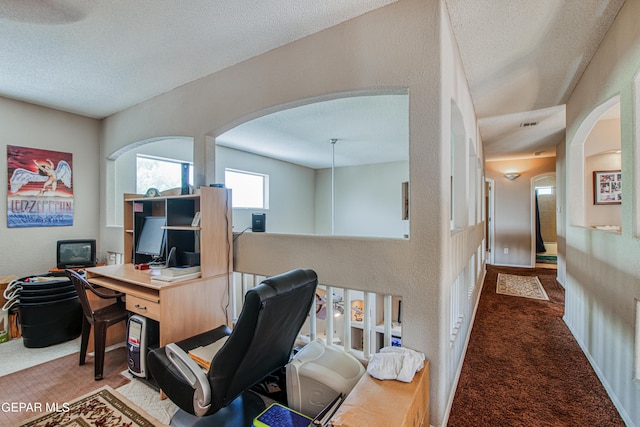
point(317, 374)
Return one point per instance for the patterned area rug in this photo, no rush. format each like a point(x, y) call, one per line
point(103, 407)
point(521, 286)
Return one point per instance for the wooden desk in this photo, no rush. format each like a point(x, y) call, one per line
point(183, 309)
point(61, 270)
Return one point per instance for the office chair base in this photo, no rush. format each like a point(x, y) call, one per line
point(239, 413)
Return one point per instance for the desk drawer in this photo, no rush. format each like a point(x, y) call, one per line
point(143, 307)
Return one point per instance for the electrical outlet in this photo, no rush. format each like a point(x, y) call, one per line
point(506, 251)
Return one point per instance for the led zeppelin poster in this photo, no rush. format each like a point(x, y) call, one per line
point(40, 192)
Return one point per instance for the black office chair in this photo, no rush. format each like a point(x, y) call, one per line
point(101, 319)
point(261, 342)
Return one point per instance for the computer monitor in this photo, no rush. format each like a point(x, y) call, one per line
point(78, 253)
point(152, 237)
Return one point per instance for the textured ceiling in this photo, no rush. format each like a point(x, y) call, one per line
point(522, 59)
point(96, 58)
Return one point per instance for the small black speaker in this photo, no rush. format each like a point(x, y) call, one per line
point(258, 222)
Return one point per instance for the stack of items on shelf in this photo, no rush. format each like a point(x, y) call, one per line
point(175, 274)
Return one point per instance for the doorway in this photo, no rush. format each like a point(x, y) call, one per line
point(488, 223)
point(544, 233)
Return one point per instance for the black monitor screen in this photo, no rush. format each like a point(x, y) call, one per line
point(151, 241)
point(76, 253)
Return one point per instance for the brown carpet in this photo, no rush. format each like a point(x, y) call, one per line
point(524, 368)
point(58, 381)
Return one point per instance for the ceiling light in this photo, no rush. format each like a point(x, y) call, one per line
point(511, 176)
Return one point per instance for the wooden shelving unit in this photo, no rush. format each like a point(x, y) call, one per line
point(212, 239)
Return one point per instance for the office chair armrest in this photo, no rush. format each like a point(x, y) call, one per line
point(194, 375)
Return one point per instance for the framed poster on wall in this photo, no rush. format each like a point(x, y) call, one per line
point(607, 187)
point(40, 192)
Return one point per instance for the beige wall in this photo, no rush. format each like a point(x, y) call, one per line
point(397, 46)
point(27, 251)
point(513, 210)
point(602, 271)
point(600, 155)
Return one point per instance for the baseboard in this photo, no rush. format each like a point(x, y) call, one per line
point(623, 413)
point(512, 265)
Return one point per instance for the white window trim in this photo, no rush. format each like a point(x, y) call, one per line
point(265, 187)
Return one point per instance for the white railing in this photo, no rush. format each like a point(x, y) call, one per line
point(355, 321)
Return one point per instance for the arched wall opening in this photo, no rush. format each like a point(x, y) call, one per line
point(121, 168)
point(352, 187)
point(596, 170)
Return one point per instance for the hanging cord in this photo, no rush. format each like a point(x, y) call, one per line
point(241, 233)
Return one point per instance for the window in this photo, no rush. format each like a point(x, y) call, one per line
point(250, 189)
point(162, 174)
point(544, 191)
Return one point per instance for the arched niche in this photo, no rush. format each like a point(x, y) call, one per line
point(596, 170)
point(458, 171)
point(351, 188)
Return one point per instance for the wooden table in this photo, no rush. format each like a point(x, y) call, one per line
point(183, 309)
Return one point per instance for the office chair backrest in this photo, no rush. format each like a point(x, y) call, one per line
point(272, 316)
point(79, 283)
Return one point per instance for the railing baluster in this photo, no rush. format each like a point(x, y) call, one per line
point(346, 341)
point(312, 320)
point(387, 320)
point(367, 326)
point(330, 313)
point(372, 330)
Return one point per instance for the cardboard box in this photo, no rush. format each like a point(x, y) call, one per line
point(389, 403)
point(4, 282)
point(4, 326)
point(5, 320)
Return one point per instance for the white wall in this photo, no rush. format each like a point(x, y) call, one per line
point(28, 251)
point(368, 200)
point(460, 278)
point(602, 269)
point(291, 191)
point(513, 215)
